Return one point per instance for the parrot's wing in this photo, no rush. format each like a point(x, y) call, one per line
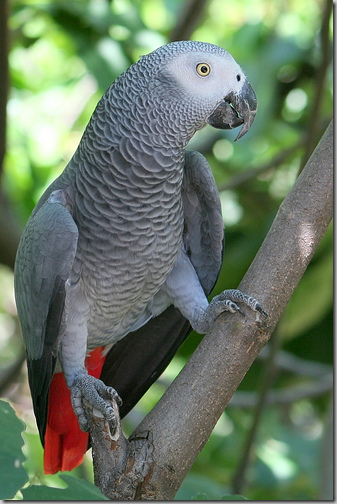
point(44, 258)
point(204, 227)
point(138, 359)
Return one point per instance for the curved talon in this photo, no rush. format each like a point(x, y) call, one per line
point(114, 395)
point(261, 310)
point(83, 422)
point(232, 307)
point(93, 391)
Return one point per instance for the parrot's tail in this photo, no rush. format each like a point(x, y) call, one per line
point(65, 444)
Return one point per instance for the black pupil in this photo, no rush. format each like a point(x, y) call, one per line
point(204, 69)
point(238, 78)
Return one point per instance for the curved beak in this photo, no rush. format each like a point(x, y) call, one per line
point(236, 110)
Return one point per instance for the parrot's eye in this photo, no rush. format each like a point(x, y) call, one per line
point(203, 69)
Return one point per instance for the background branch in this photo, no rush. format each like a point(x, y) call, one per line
point(4, 77)
point(266, 382)
point(184, 418)
point(305, 390)
point(251, 173)
point(189, 18)
point(10, 230)
point(314, 124)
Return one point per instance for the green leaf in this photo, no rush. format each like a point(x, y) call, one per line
point(200, 496)
point(12, 475)
point(196, 485)
point(78, 489)
point(233, 497)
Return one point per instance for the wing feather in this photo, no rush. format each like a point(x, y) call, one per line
point(204, 227)
point(44, 258)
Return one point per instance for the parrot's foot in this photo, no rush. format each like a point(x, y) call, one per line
point(227, 301)
point(94, 392)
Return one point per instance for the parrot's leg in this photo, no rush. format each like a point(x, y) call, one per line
point(227, 301)
point(84, 388)
point(183, 286)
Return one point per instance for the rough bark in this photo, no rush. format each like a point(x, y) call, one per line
point(120, 464)
point(182, 421)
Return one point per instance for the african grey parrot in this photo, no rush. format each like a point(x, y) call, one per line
point(123, 248)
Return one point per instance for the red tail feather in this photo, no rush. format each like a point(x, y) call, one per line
point(64, 443)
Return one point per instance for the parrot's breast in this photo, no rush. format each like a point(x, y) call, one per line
point(129, 238)
point(127, 176)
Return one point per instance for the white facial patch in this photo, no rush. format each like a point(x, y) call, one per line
point(225, 74)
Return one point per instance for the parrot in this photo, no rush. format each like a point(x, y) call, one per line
point(121, 252)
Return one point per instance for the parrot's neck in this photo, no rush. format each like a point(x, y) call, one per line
point(131, 156)
point(136, 153)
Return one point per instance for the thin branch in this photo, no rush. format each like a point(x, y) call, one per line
point(251, 173)
point(288, 396)
point(10, 232)
point(10, 229)
point(314, 125)
point(189, 18)
point(285, 361)
point(266, 382)
point(297, 365)
point(326, 470)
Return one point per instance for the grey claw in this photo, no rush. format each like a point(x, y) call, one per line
point(114, 395)
point(240, 311)
point(233, 307)
point(259, 308)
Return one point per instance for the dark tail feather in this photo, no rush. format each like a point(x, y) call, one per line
point(137, 360)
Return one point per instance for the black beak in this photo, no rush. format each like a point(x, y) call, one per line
point(236, 109)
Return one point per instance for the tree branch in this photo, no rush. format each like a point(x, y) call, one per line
point(10, 233)
point(266, 381)
point(10, 229)
point(314, 388)
point(289, 362)
point(188, 20)
point(251, 173)
point(120, 465)
point(184, 418)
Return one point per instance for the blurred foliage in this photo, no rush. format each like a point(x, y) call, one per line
point(63, 56)
point(14, 476)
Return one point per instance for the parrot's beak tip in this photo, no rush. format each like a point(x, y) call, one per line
point(245, 128)
point(247, 109)
point(248, 119)
point(236, 109)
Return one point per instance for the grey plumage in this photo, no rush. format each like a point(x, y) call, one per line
point(133, 224)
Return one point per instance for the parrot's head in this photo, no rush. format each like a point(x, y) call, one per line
point(208, 78)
